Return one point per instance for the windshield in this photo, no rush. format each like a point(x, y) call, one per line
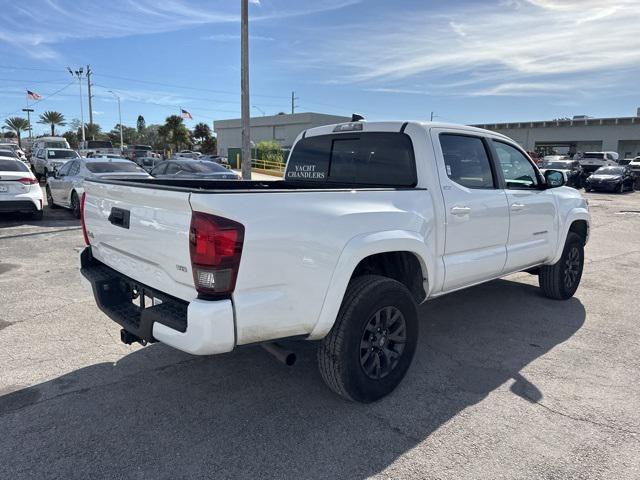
point(113, 167)
point(609, 170)
point(558, 165)
point(594, 155)
point(99, 144)
point(8, 153)
point(12, 166)
point(63, 154)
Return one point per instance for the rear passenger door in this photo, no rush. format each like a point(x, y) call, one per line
point(476, 209)
point(532, 209)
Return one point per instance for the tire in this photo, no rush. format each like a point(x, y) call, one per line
point(75, 205)
point(587, 189)
point(621, 188)
point(366, 374)
point(37, 215)
point(50, 198)
point(561, 280)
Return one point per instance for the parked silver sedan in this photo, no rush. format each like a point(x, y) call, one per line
point(65, 188)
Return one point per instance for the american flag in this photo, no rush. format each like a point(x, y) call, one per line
point(185, 114)
point(33, 95)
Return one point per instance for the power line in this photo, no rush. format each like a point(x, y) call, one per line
point(41, 100)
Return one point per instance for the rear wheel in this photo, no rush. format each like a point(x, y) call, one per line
point(561, 280)
point(370, 347)
point(75, 205)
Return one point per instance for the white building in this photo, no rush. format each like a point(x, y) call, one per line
point(282, 128)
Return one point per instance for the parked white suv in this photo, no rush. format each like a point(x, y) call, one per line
point(371, 219)
point(47, 160)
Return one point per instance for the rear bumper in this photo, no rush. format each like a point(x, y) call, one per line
point(25, 205)
point(198, 327)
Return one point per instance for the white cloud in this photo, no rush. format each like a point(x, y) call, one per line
point(505, 48)
point(36, 30)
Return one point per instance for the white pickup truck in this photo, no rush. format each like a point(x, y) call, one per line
point(371, 219)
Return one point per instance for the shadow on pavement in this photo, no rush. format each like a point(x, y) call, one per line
point(159, 413)
point(60, 217)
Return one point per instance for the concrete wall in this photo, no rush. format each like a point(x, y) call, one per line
point(618, 135)
point(282, 128)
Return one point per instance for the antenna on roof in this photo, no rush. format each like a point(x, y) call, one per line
point(356, 117)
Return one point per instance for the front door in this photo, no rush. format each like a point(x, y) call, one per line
point(476, 210)
point(533, 230)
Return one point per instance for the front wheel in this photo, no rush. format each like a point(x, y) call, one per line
point(370, 347)
point(50, 198)
point(621, 188)
point(561, 280)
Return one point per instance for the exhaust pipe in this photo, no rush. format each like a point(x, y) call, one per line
point(129, 338)
point(280, 353)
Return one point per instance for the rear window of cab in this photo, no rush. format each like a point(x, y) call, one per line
point(364, 158)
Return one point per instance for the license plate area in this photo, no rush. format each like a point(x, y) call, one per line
point(4, 189)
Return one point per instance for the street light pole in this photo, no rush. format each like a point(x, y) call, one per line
point(78, 73)
point(119, 120)
point(244, 87)
point(28, 110)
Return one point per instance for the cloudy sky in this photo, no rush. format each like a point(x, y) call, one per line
point(467, 61)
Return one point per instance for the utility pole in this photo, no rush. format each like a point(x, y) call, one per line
point(432, 116)
point(293, 102)
point(244, 87)
point(28, 110)
point(89, 72)
point(119, 120)
point(78, 73)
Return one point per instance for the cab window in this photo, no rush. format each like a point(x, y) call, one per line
point(466, 161)
point(518, 171)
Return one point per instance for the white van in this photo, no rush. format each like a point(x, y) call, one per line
point(46, 142)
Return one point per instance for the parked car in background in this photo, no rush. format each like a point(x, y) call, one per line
point(635, 164)
point(370, 220)
point(49, 142)
point(47, 160)
point(611, 179)
point(215, 158)
point(131, 151)
point(148, 162)
point(624, 161)
point(19, 188)
point(592, 161)
point(7, 152)
point(95, 147)
point(571, 169)
point(193, 169)
point(16, 149)
point(65, 188)
point(186, 154)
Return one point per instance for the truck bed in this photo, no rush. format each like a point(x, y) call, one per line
point(242, 186)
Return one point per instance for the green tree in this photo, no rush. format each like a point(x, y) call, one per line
point(270, 150)
point(175, 132)
point(129, 135)
point(53, 119)
point(18, 125)
point(72, 138)
point(209, 146)
point(141, 124)
point(92, 131)
point(202, 132)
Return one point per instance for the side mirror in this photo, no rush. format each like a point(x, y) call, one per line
point(53, 173)
point(554, 178)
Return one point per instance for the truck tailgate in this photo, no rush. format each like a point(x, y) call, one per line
point(143, 233)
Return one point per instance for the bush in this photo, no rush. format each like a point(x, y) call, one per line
point(270, 150)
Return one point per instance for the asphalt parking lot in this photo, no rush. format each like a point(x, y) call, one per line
point(505, 383)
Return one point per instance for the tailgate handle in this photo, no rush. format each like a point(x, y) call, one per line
point(119, 217)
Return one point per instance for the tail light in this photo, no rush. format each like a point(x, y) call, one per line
point(84, 226)
point(215, 246)
point(27, 181)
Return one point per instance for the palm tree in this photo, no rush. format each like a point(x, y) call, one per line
point(202, 132)
point(17, 124)
point(174, 131)
point(53, 119)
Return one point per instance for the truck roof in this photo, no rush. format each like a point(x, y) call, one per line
point(396, 126)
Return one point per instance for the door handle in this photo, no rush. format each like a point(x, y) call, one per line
point(460, 210)
point(516, 207)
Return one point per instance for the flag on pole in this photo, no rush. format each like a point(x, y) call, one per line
point(185, 114)
point(33, 95)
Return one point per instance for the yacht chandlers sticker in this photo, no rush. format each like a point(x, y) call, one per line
point(305, 171)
